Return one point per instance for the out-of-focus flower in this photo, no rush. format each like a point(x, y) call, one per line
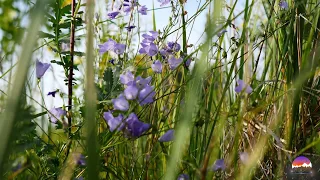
point(146, 95)
point(41, 68)
point(113, 15)
point(142, 82)
point(52, 93)
point(112, 45)
point(143, 10)
point(222, 32)
point(284, 5)
point(241, 86)
point(156, 66)
point(120, 103)
point(113, 122)
point(168, 136)
point(183, 177)
point(119, 48)
point(129, 28)
point(174, 46)
point(81, 160)
point(219, 165)
point(135, 127)
point(163, 2)
point(150, 49)
point(126, 78)
point(56, 113)
point(174, 63)
point(131, 92)
point(17, 167)
point(244, 156)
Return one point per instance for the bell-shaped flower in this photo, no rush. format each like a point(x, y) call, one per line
point(120, 103)
point(135, 127)
point(119, 48)
point(131, 91)
point(146, 95)
point(56, 113)
point(168, 136)
point(126, 78)
point(107, 46)
point(41, 68)
point(142, 82)
point(143, 10)
point(157, 66)
point(174, 63)
point(81, 160)
point(183, 177)
point(219, 165)
point(174, 46)
point(284, 5)
point(113, 122)
point(243, 86)
point(163, 2)
point(113, 15)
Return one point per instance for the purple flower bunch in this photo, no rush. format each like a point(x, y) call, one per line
point(113, 46)
point(127, 7)
point(135, 89)
point(148, 45)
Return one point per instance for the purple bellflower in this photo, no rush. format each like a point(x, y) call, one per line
point(163, 2)
point(113, 15)
point(150, 49)
point(174, 63)
point(168, 136)
point(126, 78)
point(129, 28)
point(81, 160)
point(183, 177)
point(135, 127)
point(146, 95)
point(142, 82)
point(131, 92)
point(120, 103)
point(52, 93)
point(221, 33)
point(112, 45)
point(241, 86)
point(284, 5)
point(219, 165)
point(113, 122)
point(143, 10)
point(157, 66)
point(174, 46)
point(41, 68)
point(56, 113)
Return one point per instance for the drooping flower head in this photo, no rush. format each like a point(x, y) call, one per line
point(143, 10)
point(241, 86)
point(163, 2)
point(174, 63)
point(219, 165)
point(157, 66)
point(284, 5)
point(113, 122)
point(126, 78)
point(120, 103)
point(134, 127)
point(131, 91)
point(174, 46)
point(56, 113)
point(81, 160)
point(129, 28)
point(113, 46)
point(113, 15)
point(183, 177)
point(41, 68)
point(168, 136)
point(52, 93)
point(146, 95)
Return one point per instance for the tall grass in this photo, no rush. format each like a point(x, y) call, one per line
point(277, 54)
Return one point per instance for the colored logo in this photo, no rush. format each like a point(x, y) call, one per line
point(301, 165)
